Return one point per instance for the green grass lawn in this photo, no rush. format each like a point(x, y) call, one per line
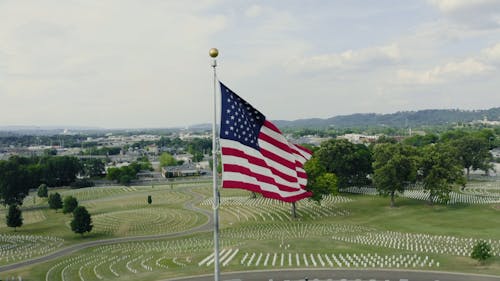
point(123, 211)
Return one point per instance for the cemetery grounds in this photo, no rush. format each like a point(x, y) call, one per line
point(172, 237)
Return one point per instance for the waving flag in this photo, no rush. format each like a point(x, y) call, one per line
point(256, 156)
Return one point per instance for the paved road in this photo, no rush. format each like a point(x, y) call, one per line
point(190, 205)
point(342, 275)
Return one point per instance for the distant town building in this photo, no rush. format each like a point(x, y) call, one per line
point(309, 139)
point(186, 158)
point(358, 138)
point(485, 121)
point(185, 170)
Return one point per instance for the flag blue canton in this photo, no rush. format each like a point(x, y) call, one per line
point(240, 121)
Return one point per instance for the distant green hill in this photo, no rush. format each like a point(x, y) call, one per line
point(399, 119)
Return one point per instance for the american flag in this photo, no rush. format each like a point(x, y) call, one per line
point(255, 154)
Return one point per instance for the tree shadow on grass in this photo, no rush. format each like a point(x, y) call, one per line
point(93, 236)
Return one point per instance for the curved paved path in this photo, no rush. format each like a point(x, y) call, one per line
point(190, 205)
point(343, 275)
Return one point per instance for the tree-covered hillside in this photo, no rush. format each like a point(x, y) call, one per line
point(398, 120)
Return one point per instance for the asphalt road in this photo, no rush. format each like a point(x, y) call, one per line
point(343, 275)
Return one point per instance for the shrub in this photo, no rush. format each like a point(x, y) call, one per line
point(43, 191)
point(69, 204)
point(481, 251)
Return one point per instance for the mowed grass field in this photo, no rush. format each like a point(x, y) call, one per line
point(116, 212)
point(347, 231)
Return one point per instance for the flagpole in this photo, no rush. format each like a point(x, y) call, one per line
point(214, 53)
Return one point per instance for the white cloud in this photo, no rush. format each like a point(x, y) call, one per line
point(492, 54)
point(350, 59)
point(476, 14)
point(446, 72)
point(254, 11)
point(91, 56)
point(142, 63)
point(450, 6)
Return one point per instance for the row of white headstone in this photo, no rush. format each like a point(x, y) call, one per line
point(160, 220)
point(420, 194)
point(19, 247)
point(177, 246)
point(245, 208)
point(346, 260)
point(296, 230)
point(438, 244)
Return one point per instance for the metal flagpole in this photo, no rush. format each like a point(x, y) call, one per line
point(214, 53)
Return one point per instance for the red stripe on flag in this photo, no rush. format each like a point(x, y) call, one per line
point(302, 175)
point(276, 158)
point(258, 177)
point(272, 127)
point(284, 147)
point(227, 151)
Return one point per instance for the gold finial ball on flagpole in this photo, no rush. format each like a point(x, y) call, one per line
point(213, 52)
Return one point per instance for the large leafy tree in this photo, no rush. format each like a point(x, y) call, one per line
point(439, 169)
point(351, 163)
point(166, 159)
point(473, 153)
point(394, 167)
point(14, 217)
point(61, 170)
point(82, 221)
point(17, 176)
point(55, 201)
point(124, 175)
point(69, 204)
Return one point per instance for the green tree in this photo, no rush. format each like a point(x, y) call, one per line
point(319, 182)
point(419, 140)
point(473, 153)
point(394, 167)
point(61, 170)
point(126, 179)
point(166, 159)
point(93, 167)
point(55, 201)
point(197, 156)
point(481, 251)
point(82, 221)
point(14, 217)
point(124, 175)
point(351, 163)
point(453, 135)
point(489, 136)
point(69, 204)
point(150, 200)
point(16, 179)
point(439, 169)
point(42, 191)
point(113, 174)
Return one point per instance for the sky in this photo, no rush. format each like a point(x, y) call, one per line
point(145, 63)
